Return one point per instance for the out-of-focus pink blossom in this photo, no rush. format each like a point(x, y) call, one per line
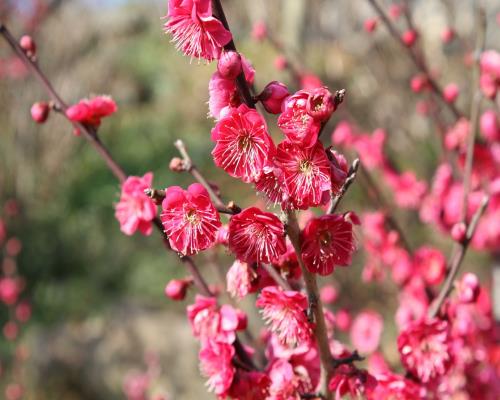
point(9, 290)
point(259, 30)
point(329, 294)
point(366, 331)
point(490, 126)
point(431, 264)
point(468, 288)
point(280, 62)
point(409, 37)
point(490, 73)
point(310, 81)
point(451, 92)
point(425, 349)
point(343, 320)
point(447, 35)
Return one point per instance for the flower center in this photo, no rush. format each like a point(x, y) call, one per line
point(325, 238)
point(192, 217)
point(244, 142)
point(306, 167)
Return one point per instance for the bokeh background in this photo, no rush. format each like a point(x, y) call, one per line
point(99, 312)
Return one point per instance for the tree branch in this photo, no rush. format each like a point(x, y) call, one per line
point(353, 170)
point(456, 258)
point(316, 306)
point(189, 166)
point(418, 61)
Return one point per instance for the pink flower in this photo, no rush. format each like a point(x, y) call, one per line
point(408, 190)
point(370, 24)
point(352, 381)
point(320, 104)
point(297, 124)
point(451, 92)
point(91, 111)
point(329, 294)
point(366, 331)
point(136, 386)
point(306, 172)
point(252, 385)
point(425, 349)
point(259, 30)
point(210, 322)
point(136, 210)
point(327, 241)
point(194, 30)
point(490, 73)
point(413, 303)
point(395, 387)
point(468, 288)
point(256, 236)
point(9, 290)
point(272, 184)
point(490, 126)
point(447, 35)
point(190, 220)
point(310, 81)
point(285, 312)
point(286, 383)
point(431, 264)
point(243, 145)
point(216, 364)
point(240, 279)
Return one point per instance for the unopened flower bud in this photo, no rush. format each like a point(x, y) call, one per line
point(490, 126)
point(259, 30)
point(28, 45)
point(280, 62)
point(176, 289)
point(370, 25)
point(418, 83)
point(343, 320)
point(468, 288)
point(320, 104)
point(329, 294)
point(229, 65)
point(409, 37)
point(447, 35)
point(176, 165)
point(450, 92)
point(273, 95)
point(40, 112)
point(458, 232)
point(395, 11)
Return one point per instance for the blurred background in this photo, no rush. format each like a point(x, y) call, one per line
point(99, 316)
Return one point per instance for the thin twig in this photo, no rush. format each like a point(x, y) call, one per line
point(418, 61)
point(189, 166)
point(376, 194)
point(276, 276)
point(353, 357)
point(320, 331)
point(456, 260)
point(351, 176)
